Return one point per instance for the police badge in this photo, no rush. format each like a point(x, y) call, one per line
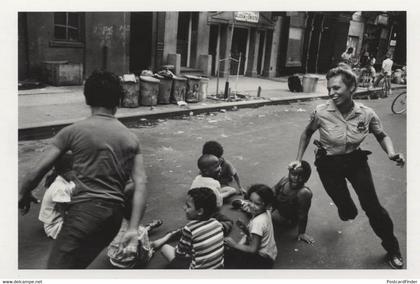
point(361, 126)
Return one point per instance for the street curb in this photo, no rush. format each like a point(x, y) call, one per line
point(48, 130)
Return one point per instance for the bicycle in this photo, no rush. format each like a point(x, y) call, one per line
point(399, 104)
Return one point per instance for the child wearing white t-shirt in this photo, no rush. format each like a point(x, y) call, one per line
point(59, 191)
point(257, 248)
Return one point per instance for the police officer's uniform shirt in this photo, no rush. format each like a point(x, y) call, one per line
point(341, 135)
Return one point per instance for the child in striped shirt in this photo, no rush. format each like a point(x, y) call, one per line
point(201, 243)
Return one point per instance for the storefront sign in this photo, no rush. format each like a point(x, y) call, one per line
point(252, 17)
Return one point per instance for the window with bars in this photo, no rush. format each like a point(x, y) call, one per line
point(67, 26)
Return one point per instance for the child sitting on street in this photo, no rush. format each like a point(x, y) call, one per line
point(228, 172)
point(58, 192)
point(201, 242)
point(129, 257)
point(293, 199)
point(209, 166)
point(257, 249)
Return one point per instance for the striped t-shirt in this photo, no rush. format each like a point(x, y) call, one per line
point(202, 241)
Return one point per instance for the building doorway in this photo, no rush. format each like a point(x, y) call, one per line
point(187, 37)
point(141, 29)
point(214, 47)
point(261, 52)
point(239, 50)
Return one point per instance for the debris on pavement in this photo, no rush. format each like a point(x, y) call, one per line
point(182, 103)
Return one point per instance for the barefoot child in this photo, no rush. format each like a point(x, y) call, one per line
point(201, 243)
point(257, 249)
point(228, 172)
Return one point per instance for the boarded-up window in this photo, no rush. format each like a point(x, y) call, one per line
point(294, 47)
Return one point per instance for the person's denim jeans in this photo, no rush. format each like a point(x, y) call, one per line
point(333, 172)
point(87, 229)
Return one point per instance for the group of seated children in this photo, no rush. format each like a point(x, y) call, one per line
point(203, 243)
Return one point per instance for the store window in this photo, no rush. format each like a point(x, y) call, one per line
point(67, 26)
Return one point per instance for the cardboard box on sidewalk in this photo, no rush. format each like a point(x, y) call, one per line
point(62, 73)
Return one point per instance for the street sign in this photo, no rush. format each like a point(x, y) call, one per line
point(251, 17)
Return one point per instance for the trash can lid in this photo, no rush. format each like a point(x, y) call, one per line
point(157, 76)
point(160, 77)
point(179, 78)
point(311, 76)
point(56, 62)
point(149, 79)
point(192, 77)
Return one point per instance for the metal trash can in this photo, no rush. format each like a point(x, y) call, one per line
point(179, 87)
point(165, 88)
point(204, 83)
point(131, 88)
point(149, 89)
point(193, 88)
point(309, 83)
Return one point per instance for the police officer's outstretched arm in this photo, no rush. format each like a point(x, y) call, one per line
point(385, 141)
point(33, 178)
point(304, 140)
point(139, 202)
point(387, 145)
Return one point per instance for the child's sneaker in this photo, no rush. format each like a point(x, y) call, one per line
point(395, 261)
point(154, 224)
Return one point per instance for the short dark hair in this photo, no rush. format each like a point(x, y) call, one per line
point(204, 197)
point(103, 89)
point(213, 148)
point(306, 167)
point(264, 191)
point(350, 49)
point(204, 161)
point(343, 70)
point(63, 165)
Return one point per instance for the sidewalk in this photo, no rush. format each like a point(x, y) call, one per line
point(42, 112)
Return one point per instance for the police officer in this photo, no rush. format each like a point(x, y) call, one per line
point(343, 124)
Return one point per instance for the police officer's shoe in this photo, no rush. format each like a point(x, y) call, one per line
point(395, 261)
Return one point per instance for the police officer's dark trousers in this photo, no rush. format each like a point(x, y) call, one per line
point(333, 172)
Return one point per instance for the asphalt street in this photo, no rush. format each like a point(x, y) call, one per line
point(260, 143)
